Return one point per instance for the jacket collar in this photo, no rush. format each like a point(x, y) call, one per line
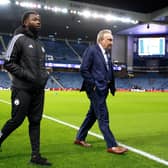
point(24, 30)
point(101, 55)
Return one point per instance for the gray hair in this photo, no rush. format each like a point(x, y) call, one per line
point(101, 33)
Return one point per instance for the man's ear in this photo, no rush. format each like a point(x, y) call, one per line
point(25, 23)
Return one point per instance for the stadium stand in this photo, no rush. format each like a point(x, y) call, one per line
point(58, 51)
point(70, 52)
point(4, 80)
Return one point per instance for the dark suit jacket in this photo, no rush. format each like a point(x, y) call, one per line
point(94, 71)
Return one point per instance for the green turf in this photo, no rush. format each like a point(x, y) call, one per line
point(136, 119)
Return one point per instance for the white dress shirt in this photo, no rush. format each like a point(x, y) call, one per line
point(105, 55)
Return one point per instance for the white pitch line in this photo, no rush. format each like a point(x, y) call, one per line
point(140, 152)
point(4, 101)
point(145, 154)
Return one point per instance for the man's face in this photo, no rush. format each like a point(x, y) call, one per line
point(107, 41)
point(33, 22)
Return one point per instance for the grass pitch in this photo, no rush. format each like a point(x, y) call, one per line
point(138, 120)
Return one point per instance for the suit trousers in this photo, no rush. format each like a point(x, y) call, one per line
point(30, 104)
point(97, 111)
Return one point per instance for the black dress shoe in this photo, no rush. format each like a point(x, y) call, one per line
point(82, 143)
point(38, 160)
point(117, 150)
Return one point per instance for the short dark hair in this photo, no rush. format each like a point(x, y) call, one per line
point(27, 14)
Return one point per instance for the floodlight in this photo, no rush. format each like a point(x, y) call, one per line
point(4, 2)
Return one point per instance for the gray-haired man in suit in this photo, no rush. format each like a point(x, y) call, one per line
point(97, 71)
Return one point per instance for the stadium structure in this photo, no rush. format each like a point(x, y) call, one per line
point(138, 113)
point(140, 49)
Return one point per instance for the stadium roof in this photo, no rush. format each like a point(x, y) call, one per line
point(73, 24)
point(142, 6)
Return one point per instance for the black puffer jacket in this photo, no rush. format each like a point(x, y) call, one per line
point(25, 61)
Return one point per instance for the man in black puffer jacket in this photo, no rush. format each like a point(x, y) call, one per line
point(25, 62)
